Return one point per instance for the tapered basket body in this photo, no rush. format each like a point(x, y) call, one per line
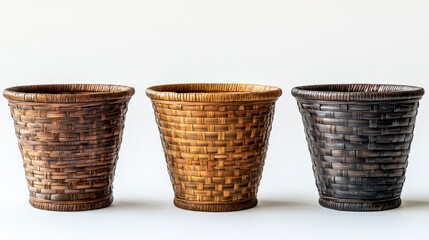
point(215, 139)
point(69, 137)
point(359, 138)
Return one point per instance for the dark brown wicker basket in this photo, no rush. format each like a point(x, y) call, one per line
point(359, 137)
point(215, 139)
point(69, 137)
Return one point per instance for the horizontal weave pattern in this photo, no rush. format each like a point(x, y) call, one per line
point(215, 153)
point(359, 151)
point(69, 151)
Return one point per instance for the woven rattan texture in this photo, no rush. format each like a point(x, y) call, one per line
point(359, 151)
point(215, 152)
point(70, 151)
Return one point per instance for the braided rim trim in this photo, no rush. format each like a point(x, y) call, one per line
point(68, 93)
point(357, 92)
point(213, 92)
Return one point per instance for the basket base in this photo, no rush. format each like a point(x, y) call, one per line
point(215, 207)
point(361, 206)
point(72, 206)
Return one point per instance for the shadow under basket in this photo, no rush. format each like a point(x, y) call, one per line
point(359, 138)
point(215, 140)
point(69, 137)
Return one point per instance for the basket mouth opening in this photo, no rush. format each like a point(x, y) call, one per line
point(67, 92)
point(213, 92)
point(357, 92)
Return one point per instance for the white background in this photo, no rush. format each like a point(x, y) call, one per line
point(282, 43)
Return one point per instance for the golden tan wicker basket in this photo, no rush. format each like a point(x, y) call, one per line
point(359, 137)
point(215, 139)
point(69, 137)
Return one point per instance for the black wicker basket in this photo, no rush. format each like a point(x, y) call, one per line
point(359, 138)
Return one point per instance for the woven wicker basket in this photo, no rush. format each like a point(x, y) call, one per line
point(215, 139)
point(359, 137)
point(69, 137)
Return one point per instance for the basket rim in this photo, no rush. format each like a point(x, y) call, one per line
point(213, 92)
point(63, 93)
point(357, 92)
